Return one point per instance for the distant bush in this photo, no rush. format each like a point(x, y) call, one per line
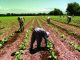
point(56, 12)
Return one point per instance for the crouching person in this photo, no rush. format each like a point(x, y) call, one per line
point(38, 34)
point(69, 19)
point(48, 20)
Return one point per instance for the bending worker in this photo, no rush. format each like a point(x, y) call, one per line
point(69, 19)
point(48, 20)
point(21, 24)
point(38, 34)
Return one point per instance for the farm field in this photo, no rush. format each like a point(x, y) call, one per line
point(63, 44)
point(9, 24)
point(75, 20)
point(63, 19)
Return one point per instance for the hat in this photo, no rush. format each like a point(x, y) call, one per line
point(48, 33)
point(48, 17)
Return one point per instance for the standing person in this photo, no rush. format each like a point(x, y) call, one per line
point(21, 23)
point(38, 34)
point(69, 19)
point(48, 20)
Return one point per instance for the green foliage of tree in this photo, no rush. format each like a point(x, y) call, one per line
point(56, 12)
point(73, 9)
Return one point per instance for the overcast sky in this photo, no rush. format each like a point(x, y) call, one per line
point(33, 6)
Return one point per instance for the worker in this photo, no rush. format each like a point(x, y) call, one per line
point(69, 19)
point(48, 20)
point(38, 34)
point(21, 23)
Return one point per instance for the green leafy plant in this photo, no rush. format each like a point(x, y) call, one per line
point(76, 46)
point(72, 33)
point(22, 47)
point(1, 44)
point(1, 33)
point(3, 41)
point(18, 54)
point(50, 49)
point(63, 36)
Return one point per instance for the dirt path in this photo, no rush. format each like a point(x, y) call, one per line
point(63, 52)
point(42, 55)
point(5, 53)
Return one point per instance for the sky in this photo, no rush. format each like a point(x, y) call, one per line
point(33, 6)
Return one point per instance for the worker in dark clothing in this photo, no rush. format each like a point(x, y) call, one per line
point(21, 24)
point(38, 34)
point(69, 19)
point(48, 20)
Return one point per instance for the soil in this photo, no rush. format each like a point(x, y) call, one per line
point(63, 52)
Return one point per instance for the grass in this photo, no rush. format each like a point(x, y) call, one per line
point(8, 23)
point(76, 46)
point(75, 20)
point(1, 33)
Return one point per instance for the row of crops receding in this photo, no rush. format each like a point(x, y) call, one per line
point(62, 35)
point(68, 40)
point(23, 46)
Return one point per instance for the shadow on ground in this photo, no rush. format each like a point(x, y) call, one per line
point(35, 50)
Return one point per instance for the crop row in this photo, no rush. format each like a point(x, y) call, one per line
point(60, 32)
point(68, 31)
point(22, 47)
point(6, 39)
point(50, 46)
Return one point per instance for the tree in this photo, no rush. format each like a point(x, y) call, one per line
point(51, 13)
point(56, 12)
point(73, 9)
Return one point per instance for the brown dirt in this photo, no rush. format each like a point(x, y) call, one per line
point(42, 55)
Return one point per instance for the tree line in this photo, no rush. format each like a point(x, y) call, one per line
point(23, 14)
point(72, 9)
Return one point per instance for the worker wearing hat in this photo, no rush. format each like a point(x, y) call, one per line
point(69, 19)
point(48, 20)
point(21, 23)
